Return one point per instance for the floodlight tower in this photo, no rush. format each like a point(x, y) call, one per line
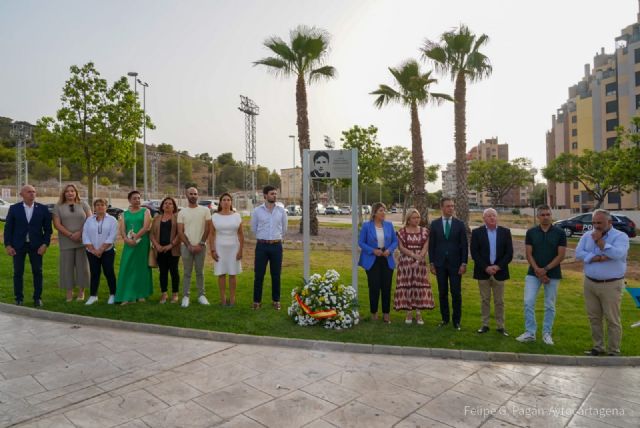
point(21, 132)
point(250, 110)
point(154, 158)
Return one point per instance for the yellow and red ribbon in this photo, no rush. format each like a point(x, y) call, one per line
point(329, 313)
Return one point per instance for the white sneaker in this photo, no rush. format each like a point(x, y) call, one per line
point(546, 338)
point(112, 299)
point(526, 337)
point(91, 300)
point(203, 300)
point(185, 302)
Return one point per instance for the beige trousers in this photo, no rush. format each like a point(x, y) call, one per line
point(487, 286)
point(602, 299)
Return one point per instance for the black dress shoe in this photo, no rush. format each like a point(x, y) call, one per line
point(594, 352)
point(503, 332)
point(443, 324)
point(456, 326)
point(19, 302)
point(38, 303)
point(483, 329)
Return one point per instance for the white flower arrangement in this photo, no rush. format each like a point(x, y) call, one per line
point(323, 300)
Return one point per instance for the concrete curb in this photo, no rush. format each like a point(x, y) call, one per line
point(321, 345)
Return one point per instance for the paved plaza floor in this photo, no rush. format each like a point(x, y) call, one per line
point(64, 375)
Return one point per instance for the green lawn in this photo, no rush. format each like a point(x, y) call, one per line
point(571, 333)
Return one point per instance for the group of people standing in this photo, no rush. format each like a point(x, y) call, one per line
point(87, 237)
point(603, 250)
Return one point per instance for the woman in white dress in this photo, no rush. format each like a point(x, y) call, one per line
point(226, 242)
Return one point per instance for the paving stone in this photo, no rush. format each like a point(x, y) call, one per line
point(74, 373)
point(458, 410)
point(362, 381)
point(240, 421)
point(233, 400)
point(319, 423)
point(620, 413)
point(277, 382)
point(483, 392)
point(20, 387)
point(292, 410)
point(55, 393)
point(85, 353)
point(418, 421)
point(541, 398)
point(528, 369)
point(497, 423)
point(421, 383)
point(331, 392)
point(128, 360)
point(182, 415)
point(579, 421)
point(356, 414)
point(32, 365)
point(116, 411)
point(531, 417)
point(395, 401)
point(565, 386)
point(501, 379)
point(173, 391)
point(70, 398)
point(216, 378)
point(57, 421)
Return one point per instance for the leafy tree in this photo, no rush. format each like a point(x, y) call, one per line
point(225, 159)
point(369, 154)
point(397, 173)
point(497, 177)
point(165, 148)
point(458, 54)
point(413, 91)
point(96, 127)
point(611, 170)
point(539, 194)
point(303, 58)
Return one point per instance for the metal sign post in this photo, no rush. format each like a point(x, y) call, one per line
point(330, 164)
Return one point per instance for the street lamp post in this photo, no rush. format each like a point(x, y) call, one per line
point(144, 85)
point(134, 74)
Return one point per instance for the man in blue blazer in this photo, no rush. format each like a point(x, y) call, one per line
point(448, 254)
point(491, 251)
point(27, 232)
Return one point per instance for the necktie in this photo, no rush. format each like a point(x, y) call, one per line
point(447, 228)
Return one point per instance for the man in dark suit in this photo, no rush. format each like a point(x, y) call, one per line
point(491, 251)
point(27, 232)
point(448, 253)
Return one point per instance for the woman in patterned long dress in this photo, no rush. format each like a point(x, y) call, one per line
point(134, 277)
point(413, 290)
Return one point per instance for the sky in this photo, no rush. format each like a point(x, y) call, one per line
point(197, 59)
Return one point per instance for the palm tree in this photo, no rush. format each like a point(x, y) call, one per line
point(458, 54)
point(413, 91)
point(304, 59)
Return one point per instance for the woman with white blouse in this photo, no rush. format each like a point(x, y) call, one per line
point(98, 236)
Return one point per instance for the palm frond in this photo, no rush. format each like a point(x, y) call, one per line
point(386, 94)
point(280, 48)
point(323, 73)
point(277, 66)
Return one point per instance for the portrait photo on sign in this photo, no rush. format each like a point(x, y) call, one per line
point(321, 167)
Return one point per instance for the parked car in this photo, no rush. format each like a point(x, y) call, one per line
point(395, 210)
point(294, 210)
point(212, 204)
point(321, 209)
point(346, 210)
point(366, 209)
point(4, 209)
point(114, 212)
point(153, 206)
point(581, 223)
point(51, 207)
point(333, 210)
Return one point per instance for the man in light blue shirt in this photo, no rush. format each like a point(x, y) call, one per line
point(269, 225)
point(604, 253)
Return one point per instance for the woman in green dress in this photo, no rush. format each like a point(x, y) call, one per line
point(134, 277)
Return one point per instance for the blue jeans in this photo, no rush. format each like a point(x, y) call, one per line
point(531, 287)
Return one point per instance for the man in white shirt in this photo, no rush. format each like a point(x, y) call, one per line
point(194, 224)
point(269, 225)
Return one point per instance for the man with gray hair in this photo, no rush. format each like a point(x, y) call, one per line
point(492, 251)
point(604, 253)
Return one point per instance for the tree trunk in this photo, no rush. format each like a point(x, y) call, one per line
point(417, 158)
point(304, 142)
point(460, 135)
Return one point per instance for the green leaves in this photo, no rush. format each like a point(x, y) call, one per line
point(369, 151)
point(497, 177)
point(97, 125)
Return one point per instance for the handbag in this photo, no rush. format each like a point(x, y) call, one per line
point(153, 257)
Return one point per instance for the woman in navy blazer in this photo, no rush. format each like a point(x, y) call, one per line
point(377, 243)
